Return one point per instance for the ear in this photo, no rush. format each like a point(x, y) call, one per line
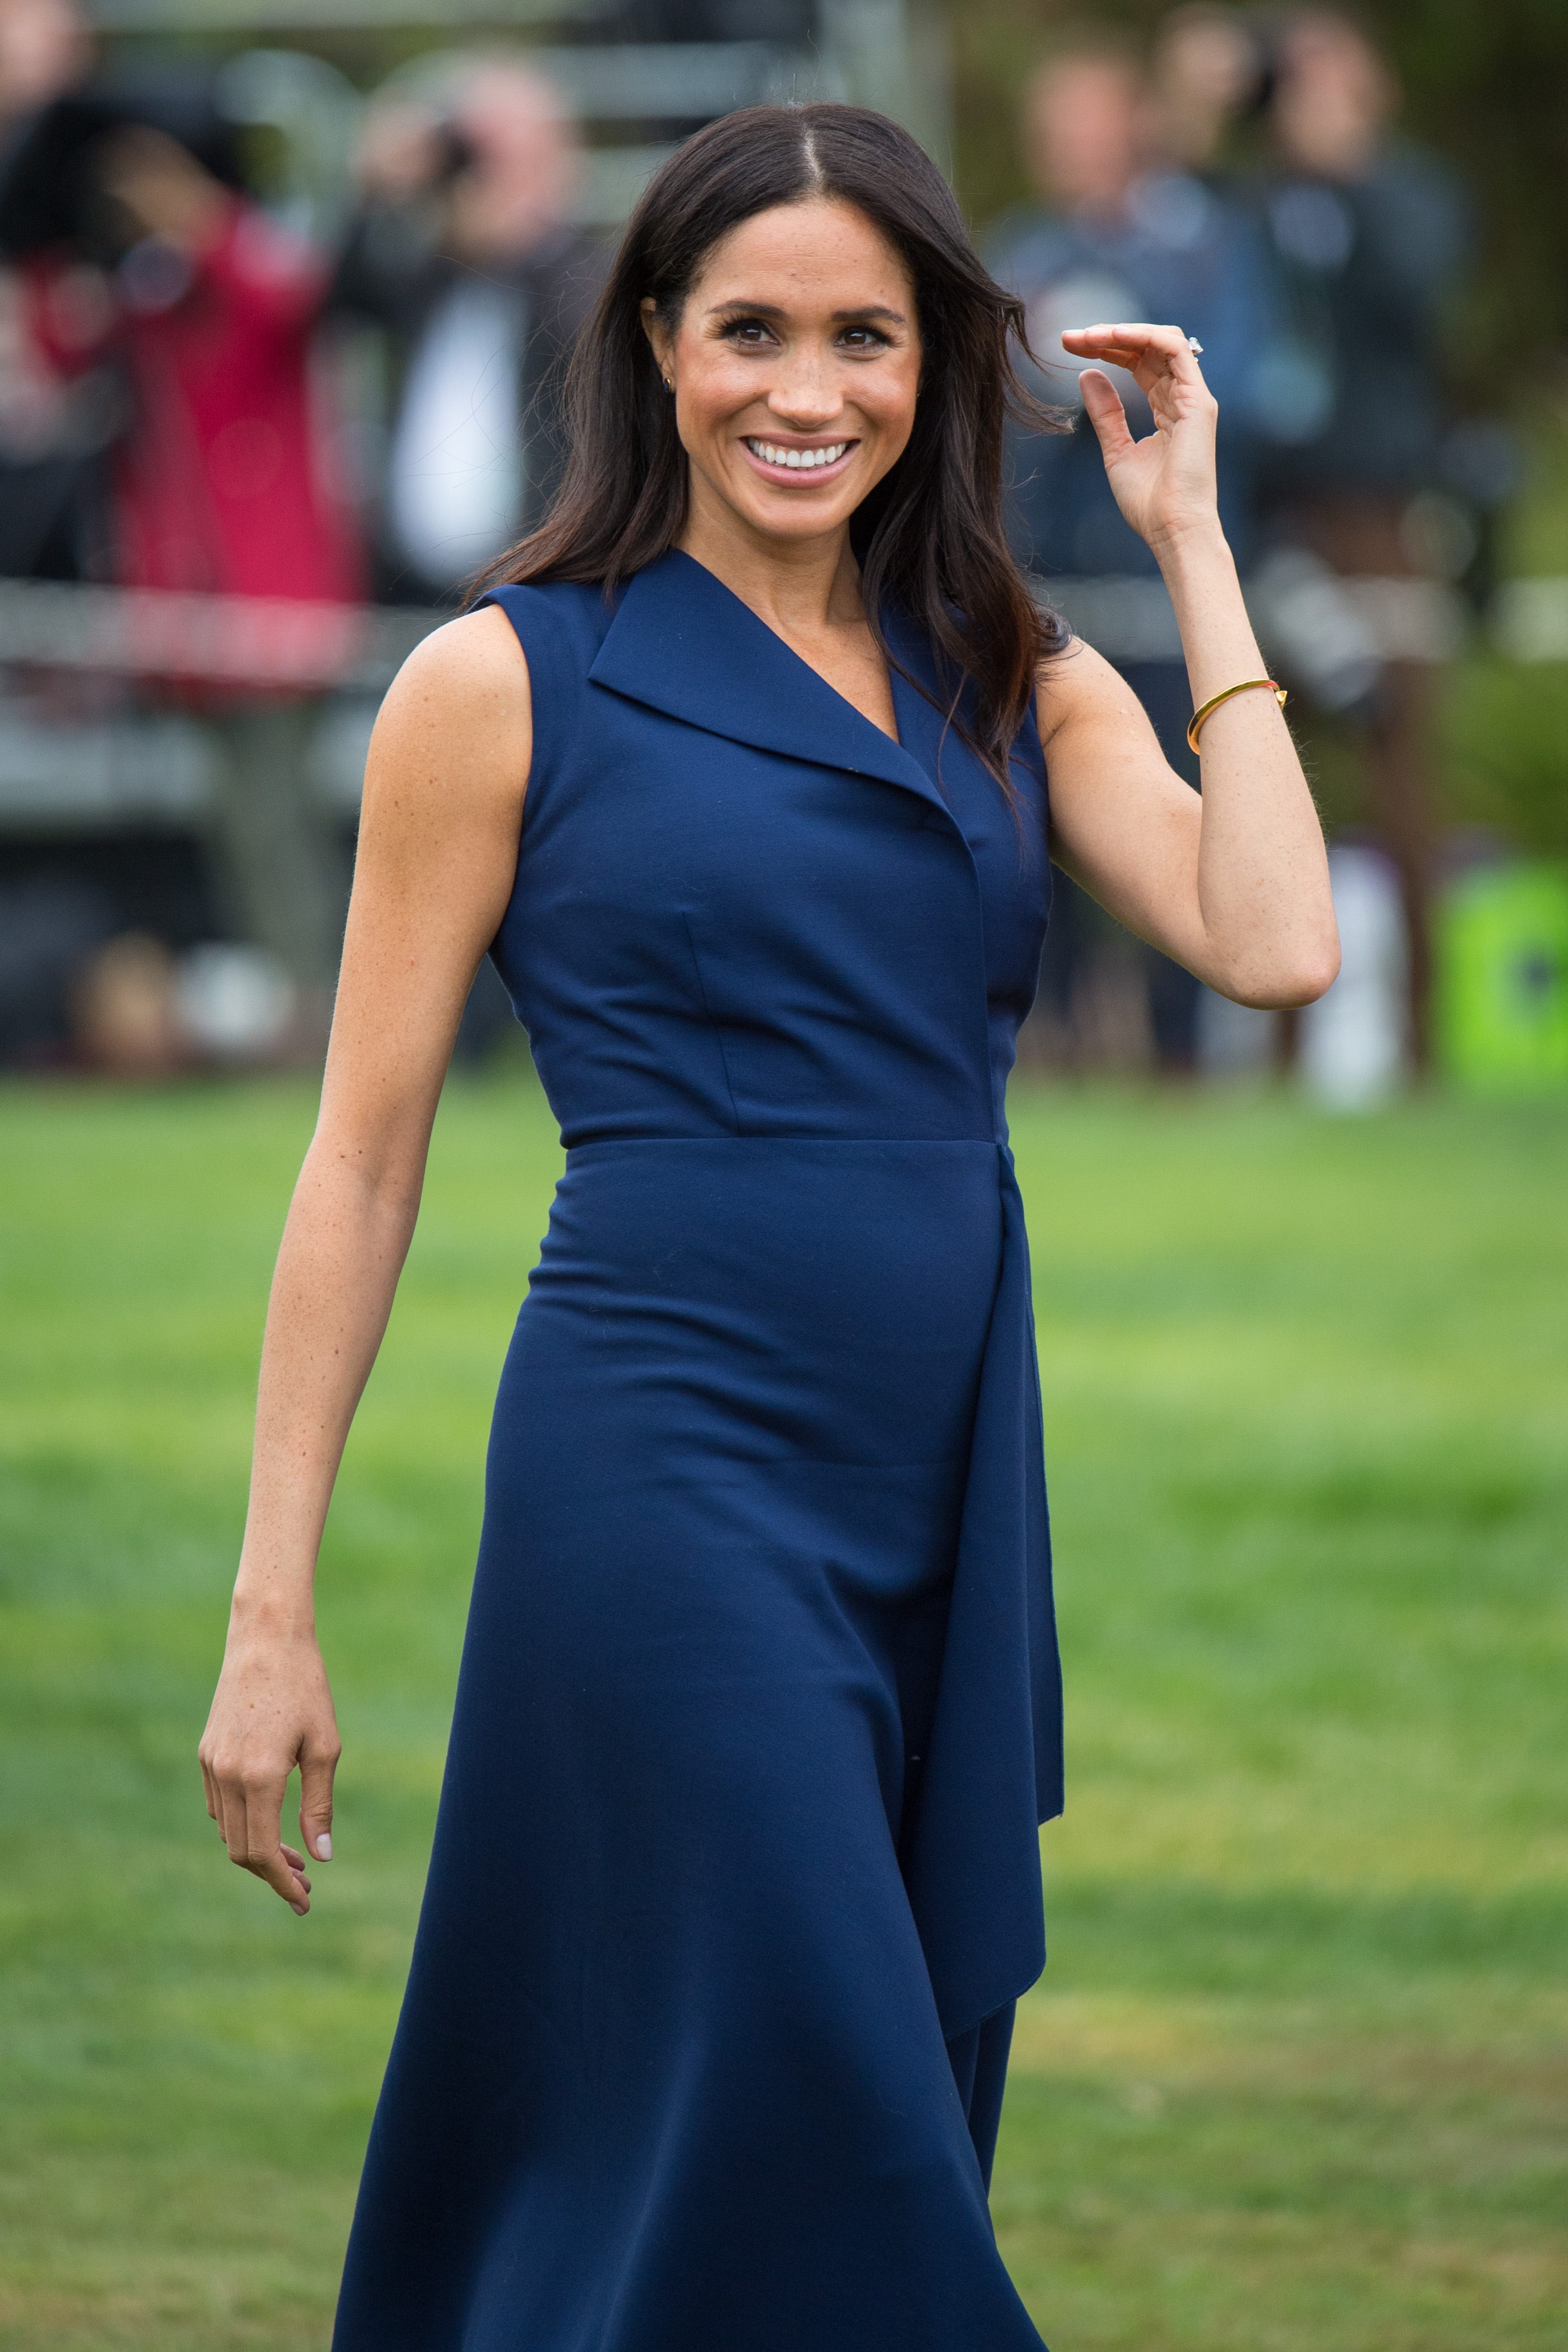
point(653, 328)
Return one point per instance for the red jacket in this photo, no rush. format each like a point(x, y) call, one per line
point(222, 478)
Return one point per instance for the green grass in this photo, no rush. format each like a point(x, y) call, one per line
point(1295, 2081)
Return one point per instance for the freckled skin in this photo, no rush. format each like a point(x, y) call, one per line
point(800, 331)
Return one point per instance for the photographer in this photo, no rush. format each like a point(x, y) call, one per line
point(51, 428)
point(145, 261)
point(465, 256)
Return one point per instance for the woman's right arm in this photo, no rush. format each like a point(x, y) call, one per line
point(437, 851)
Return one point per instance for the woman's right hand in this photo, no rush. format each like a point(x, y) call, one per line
point(439, 822)
point(273, 1712)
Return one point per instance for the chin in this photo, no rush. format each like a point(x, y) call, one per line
point(783, 517)
point(801, 526)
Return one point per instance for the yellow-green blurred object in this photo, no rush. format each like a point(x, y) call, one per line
point(1501, 1007)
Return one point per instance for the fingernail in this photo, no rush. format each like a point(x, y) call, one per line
point(299, 1909)
point(324, 1846)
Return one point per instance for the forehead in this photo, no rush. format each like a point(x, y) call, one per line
point(816, 253)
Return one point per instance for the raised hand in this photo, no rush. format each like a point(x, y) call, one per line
point(160, 184)
point(1164, 485)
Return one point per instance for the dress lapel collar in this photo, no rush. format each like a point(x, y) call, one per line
point(684, 643)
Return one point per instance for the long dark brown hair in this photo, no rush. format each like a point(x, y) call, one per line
point(929, 536)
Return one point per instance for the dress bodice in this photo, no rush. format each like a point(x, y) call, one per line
point(740, 906)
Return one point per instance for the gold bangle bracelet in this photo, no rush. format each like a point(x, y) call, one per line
point(1197, 720)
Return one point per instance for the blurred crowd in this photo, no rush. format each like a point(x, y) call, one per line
point(209, 388)
point(203, 396)
point(1245, 177)
point(163, 419)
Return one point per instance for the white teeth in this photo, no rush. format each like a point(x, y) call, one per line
point(798, 460)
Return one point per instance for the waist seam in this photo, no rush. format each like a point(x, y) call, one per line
point(822, 1142)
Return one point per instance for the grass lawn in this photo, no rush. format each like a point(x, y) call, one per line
point(1297, 2076)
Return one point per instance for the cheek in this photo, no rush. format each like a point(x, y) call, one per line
point(890, 398)
point(713, 385)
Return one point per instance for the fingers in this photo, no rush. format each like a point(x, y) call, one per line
point(291, 1884)
point(317, 1766)
point(272, 1711)
point(231, 1810)
point(296, 1861)
point(1145, 351)
point(1106, 414)
point(264, 1855)
point(252, 1811)
point(1133, 339)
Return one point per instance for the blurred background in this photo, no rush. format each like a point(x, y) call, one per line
point(284, 286)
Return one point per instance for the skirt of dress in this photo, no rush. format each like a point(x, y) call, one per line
point(670, 2075)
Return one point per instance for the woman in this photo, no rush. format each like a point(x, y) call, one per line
point(742, 780)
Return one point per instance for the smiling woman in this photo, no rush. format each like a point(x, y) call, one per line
point(739, 773)
point(797, 294)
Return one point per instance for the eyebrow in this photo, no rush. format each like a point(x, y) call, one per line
point(839, 318)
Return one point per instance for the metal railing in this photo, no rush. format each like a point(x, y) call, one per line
point(148, 763)
point(262, 643)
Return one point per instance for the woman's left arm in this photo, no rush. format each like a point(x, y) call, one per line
point(1234, 885)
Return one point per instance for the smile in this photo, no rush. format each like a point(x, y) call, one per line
point(778, 454)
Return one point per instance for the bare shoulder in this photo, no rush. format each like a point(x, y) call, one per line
point(1080, 684)
point(477, 653)
point(458, 715)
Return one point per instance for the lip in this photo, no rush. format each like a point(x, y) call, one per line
point(792, 477)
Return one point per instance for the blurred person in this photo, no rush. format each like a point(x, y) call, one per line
point(1205, 70)
point(465, 252)
point(126, 1009)
point(1371, 236)
point(53, 427)
point(739, 771)
point(1116, 232)
point(46, 46)
point(1111, 219)
point(206, 309)
point(219, 480)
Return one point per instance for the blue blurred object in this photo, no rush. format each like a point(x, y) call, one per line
point(1363, 265)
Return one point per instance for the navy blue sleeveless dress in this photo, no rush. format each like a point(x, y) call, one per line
point(736, 1876)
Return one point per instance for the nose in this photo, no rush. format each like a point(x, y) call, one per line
point(805, 394)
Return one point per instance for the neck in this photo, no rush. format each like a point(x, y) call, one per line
point(797, 585)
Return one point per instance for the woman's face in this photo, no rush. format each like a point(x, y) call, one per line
point(795, 365)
